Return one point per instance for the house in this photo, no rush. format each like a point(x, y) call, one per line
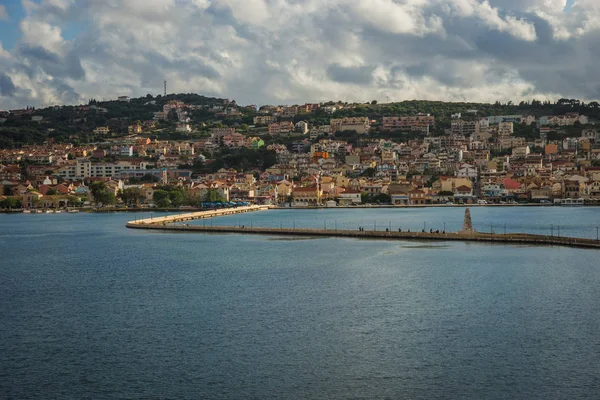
point(281, 128)
point(464, 126)
point(568, 119)
point(350, 197)
point(183, 127)
point(307, 195)
point(219, 132)
point(540, 193)
point(418, 197)
point(289, 112)
point(373, 190)
point(520, 152)
point(493, 189)
point(101, 130)
point(571, 189)
point(134, 129)
point(400, 193)
point(31, 199)
point(593, 190)
point(448, 185)
point(463, 192)
point(301, 127)
point(283, 188)
point(467, 171)
point(263, 119)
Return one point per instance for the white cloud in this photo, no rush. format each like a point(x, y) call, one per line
point(262, 51)
point(36, 33)
point(389, 16)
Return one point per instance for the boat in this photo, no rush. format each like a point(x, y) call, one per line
point(73, 211)
point(27, 211)
point(572, 202)
point(38, 211)
point(49, 211)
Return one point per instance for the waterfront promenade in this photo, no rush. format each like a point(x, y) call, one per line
point(512, 238)
point(171, 219)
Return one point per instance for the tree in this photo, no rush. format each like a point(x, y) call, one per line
point(369, 172)
point(75, 201)
point(431, 181)
point(197, 166)
point(161, 198)
point(52, 192)
point(96, 188)
point(382, 198)
point(176, 197)
point(102, 194)
point(106, 197)
point(11, 202)
point(373, 102)
point(132, 196)
point(147, 178)
point(172, 115)
point(214, 196)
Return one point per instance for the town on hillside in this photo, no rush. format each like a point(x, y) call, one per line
point(190, 150)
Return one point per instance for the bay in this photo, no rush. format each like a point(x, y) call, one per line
point(90, 309)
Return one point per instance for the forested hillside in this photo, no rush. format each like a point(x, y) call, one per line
point(76, 123)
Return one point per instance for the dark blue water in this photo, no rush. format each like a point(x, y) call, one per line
point(576, 222)
point(89, 309)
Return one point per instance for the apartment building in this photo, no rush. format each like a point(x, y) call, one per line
point(359, 124)
point(281, 128)
point(420, 122)
point(263, 119)
point(85, 168)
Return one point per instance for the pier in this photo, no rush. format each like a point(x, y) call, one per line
point(512, 238)
point(171, 219)
point(467, 234)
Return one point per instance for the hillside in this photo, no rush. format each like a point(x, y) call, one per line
point(76, 123)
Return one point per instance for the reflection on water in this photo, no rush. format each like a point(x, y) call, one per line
point(110, 312)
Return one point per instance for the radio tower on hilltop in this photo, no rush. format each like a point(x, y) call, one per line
point(165, 87)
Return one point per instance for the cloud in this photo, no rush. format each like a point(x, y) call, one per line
point(294, 51)
point(358, 75)
point(7, 87)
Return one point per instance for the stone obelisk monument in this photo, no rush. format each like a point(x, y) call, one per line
point(467, 228)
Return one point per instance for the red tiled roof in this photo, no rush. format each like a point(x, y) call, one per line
point(511, 184)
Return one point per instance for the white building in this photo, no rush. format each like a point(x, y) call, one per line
point(301, 127)
point(84, 168)
point(349, 198)
point(183, 128)
point(467, 171)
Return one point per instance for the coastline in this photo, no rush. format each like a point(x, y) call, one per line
point(362, 206)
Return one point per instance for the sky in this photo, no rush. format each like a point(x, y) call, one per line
point(297, 51)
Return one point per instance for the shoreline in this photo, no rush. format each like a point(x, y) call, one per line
point(358, 207)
